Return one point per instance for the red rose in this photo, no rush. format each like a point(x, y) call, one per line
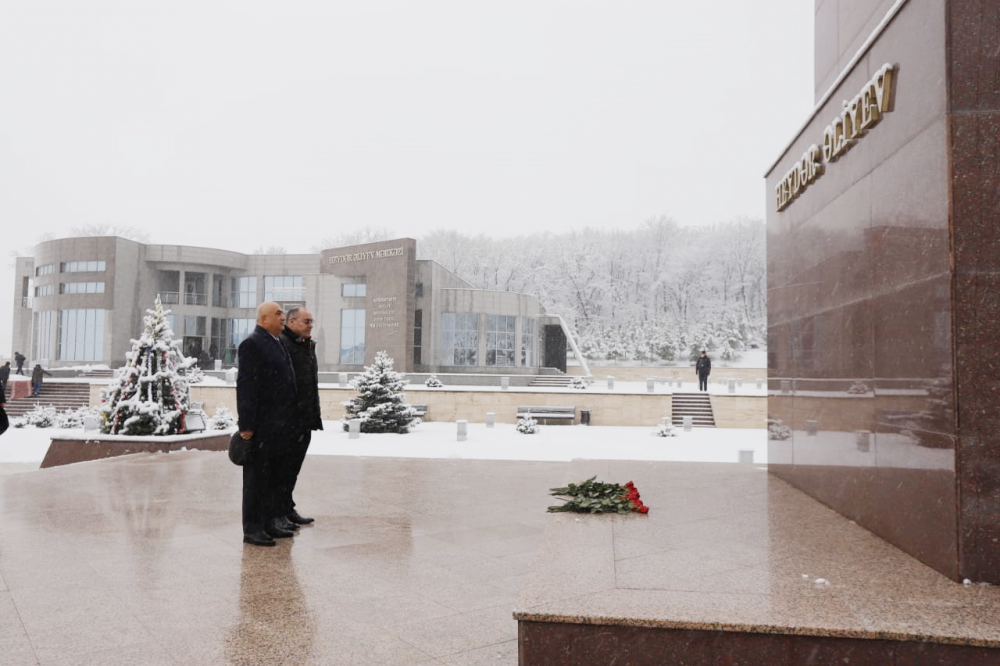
point(630, 485)
point(643, 509)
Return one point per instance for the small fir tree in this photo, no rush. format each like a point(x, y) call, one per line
point(149, 395)
point(380, 403)
point(700, 340)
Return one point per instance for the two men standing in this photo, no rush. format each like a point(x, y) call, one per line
point(277, 421)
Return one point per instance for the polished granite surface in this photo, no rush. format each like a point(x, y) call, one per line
point(139, 560)
point(732, 548)
point(882, 282)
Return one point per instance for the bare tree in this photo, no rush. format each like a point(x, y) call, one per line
point(270, 249)
point(108, 229)
point(355, 237)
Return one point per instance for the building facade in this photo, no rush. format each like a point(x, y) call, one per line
point(82, 300)
point(883, 265)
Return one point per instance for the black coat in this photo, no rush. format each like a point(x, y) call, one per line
point(37, 373)
point(265, 392)
point(704, 366)
point(303, 353)
point(4, 373)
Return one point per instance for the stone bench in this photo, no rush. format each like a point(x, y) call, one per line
point(545, 413)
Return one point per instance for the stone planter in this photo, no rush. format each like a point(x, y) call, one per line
point(89, 445)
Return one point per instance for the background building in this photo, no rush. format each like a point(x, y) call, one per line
point(81, 301)
point(883, 265)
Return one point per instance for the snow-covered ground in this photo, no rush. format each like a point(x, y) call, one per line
point(22, 446)
point(752, 358)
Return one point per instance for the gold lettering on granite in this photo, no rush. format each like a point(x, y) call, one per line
point(857, 117)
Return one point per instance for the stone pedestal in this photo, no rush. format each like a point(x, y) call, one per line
point(883, 271)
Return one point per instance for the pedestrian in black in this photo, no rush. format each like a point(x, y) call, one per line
point(703, 368)
point(266, 404)
point(19, 359)
point(297, 338)
point(37, 375)
point(4, 420)
point(4, 376)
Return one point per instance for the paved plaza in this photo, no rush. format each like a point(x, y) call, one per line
point(139, 560)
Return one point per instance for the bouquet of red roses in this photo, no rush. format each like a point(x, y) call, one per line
point(597, 497)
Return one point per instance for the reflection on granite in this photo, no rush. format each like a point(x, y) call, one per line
point(140, 560)
point(884, 357)
point(732, 559)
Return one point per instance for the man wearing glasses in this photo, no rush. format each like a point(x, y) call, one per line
point(297, 338)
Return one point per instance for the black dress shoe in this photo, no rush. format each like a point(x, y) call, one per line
point(297, 519)
point(286, 524)
point(258, 539)
point(275, 532)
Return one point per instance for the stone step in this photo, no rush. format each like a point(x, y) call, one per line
point(63, 396)
point(696, 405)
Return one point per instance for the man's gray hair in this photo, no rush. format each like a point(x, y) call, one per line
point(293, 313)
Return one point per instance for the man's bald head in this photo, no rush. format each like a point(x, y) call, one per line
point(271, 318)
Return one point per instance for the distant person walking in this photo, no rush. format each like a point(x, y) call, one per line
point(4, 376)
point(19, 359)
point(36, 378)
point(704, 368)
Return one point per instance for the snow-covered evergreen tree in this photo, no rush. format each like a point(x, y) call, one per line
point(380, 403)
point(149, 395)
point(527, 425)
point(700, 340)
point(223, 419)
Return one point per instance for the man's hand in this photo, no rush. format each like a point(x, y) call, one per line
point(246, 434)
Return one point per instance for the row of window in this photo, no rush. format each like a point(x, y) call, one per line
point(276, 288)
point(93, 266)
point(79, 334)
point(70, 288)
point(283, 288)
point(459, 339)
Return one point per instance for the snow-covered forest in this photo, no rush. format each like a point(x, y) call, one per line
point(661, 291)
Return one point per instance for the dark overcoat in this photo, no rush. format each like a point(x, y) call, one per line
point(265, 392)
point(303, 353)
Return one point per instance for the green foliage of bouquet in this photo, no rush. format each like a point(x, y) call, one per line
point(597, 497)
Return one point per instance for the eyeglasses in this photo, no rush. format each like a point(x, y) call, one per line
point(307, 321)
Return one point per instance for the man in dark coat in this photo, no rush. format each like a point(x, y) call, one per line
point(703, 368)
point(19, 359)
point(4, 376)
point(37, 375)
point(297, 338)
point(4, 420)
point(265, 402)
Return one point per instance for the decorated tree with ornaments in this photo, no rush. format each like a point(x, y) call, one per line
point(380, 405)
point(149, 395)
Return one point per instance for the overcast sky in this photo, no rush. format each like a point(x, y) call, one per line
point(246, 124)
